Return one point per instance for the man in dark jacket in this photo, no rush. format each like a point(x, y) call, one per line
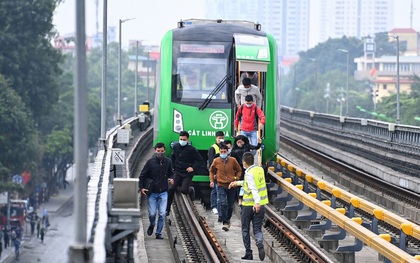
point(186, 160)
point(240, 147)
point(153, 182)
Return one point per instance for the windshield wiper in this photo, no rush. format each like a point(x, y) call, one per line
point(214, 92)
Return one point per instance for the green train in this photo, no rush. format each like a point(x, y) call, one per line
point(201, 66)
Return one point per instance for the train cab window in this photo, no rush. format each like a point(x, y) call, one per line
point(196, 78)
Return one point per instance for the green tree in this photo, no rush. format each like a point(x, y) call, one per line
point(17, 137)
point(27, 59)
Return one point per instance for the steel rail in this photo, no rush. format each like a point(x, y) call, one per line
point(297, 240)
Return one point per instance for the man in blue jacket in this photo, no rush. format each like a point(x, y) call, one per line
point(153, 182)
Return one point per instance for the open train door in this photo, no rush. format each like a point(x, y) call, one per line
point(252, 54)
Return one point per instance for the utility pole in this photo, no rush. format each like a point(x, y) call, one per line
point(80, 250)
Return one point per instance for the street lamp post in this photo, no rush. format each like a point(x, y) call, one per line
point(316, 80)
point(397, 121)
point(148, 77)
point(135, 80)
point(119, 72)
point(347, 81)
point(104, 72)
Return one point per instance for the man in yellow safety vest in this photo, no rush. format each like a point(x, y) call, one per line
point(253, 210)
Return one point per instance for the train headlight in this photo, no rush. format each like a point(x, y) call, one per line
point(178, 124)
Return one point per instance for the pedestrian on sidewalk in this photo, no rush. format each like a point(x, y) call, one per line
point(38, 227)
point(42, 233)
point(33, 219)
point(17, 247)
point(1, 238)
point(6, 237)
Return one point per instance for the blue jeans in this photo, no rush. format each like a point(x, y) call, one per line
point(213, 196)
point(252, 137)
point(157, 201)
point(247, 216)
point(226, 199)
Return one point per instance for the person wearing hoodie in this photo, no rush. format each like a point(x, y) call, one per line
point(247, 89)
point(241, 146)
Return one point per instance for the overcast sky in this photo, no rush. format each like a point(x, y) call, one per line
point(154, 17)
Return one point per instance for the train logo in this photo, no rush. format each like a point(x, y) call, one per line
point(218, 120)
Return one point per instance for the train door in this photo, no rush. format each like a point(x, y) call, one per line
point(252, 54)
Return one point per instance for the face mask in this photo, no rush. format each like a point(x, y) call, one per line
point(183, 143)
point(240, 145)
point(249, 105)
point(223, 155)
point(159, 155)
point(221, 140)
point(229, 151)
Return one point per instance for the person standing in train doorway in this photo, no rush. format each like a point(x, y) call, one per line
point(253, 205)
point(248, 115)
point(247, 89)
point(153, 182)
point(185, 160)
point(252, 75)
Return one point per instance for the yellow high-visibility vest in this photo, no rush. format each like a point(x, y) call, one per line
point(216, 148)
point(259, 179)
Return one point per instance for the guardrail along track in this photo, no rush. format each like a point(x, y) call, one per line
point(401, 195)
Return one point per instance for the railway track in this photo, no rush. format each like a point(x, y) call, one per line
point(201, 243)
point(299, 247)
point(348, 176)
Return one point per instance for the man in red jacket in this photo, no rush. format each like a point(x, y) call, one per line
point(248, 115)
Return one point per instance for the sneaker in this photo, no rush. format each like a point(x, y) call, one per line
point(214, 210)
point(261, 253)
point(192, 193)
point(226, 227)
point(150, 230)
point(159, 236)
point(247, 257)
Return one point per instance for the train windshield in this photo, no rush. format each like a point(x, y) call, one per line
point(196, 78)
point(198, 70)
